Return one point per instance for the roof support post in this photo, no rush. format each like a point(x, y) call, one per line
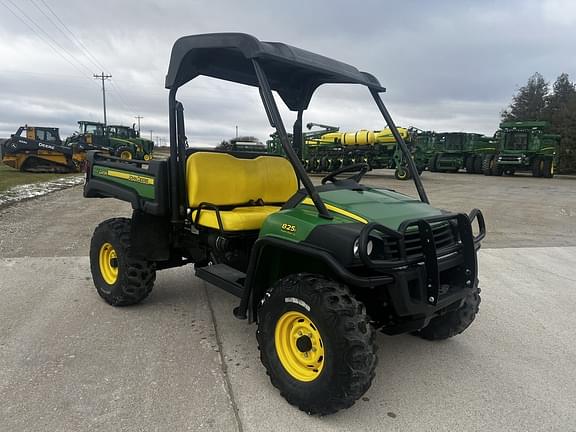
point(276, 121)
point(297, 135)
point(175, 183)
point(411, 165)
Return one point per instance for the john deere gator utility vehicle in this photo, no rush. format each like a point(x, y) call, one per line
point(460, 150)
point(320, 269)
point(40, 149)
point(523, 146)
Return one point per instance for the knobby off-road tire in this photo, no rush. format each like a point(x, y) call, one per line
point(120, 279)
point(477, 164)
point(453, 323)
point(536, 172)
point(486, 165)
point(330, 363)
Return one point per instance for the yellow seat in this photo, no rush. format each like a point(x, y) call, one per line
point(231, 183)
point(237, 219)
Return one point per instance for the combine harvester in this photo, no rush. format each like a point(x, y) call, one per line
point(40, 149)
point(523, 146)
point(454, 151)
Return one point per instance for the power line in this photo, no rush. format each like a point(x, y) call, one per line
point(41, 37)
point(59, 29)
point(75, 39)
point(78, 41)
point(47, 34)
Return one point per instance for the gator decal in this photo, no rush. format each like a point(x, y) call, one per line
point(143, 184)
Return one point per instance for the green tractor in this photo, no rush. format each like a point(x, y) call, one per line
point(121, 141)
point(523, 146)
point(128, 142)
point(459, 150)
point(321, 268)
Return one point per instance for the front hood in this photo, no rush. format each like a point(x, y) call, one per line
point(383, 206)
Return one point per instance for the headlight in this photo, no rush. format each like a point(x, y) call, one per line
point(369, 247)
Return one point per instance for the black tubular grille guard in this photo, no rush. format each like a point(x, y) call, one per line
point(466, 245)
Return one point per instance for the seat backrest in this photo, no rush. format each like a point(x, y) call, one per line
point(224, 180)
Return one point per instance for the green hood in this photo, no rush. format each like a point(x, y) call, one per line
point(385, 207)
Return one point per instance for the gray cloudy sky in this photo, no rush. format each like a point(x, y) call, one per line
point(447, 65)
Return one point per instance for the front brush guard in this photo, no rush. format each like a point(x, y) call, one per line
point(466, 245)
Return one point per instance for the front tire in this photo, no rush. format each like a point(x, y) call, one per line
point(120, 279)
point(316, 343)
point(125, 153)
point(402, 173)
point(455, 322)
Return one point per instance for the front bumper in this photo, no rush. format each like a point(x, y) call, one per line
point(434, 280)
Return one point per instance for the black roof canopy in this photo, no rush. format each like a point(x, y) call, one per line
point(293, 72)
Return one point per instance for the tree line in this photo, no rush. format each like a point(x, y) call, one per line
point(557, 105)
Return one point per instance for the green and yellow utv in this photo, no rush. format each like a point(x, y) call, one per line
point(321, 268)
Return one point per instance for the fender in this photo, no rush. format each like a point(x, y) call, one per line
point(258, 271)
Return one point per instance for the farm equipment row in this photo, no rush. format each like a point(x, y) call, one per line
point(516, 146)
point(40, 149)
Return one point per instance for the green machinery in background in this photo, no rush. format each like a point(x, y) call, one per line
point(327, 149)
point(453, 151)
point(122, 141)
point(523, 146)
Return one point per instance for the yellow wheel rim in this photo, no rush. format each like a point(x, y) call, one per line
point(125, 155)
point(108, 261)
point(299, 346)
point(147, 157)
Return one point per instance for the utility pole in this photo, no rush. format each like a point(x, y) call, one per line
point(139, 118)
point(236, 131)
point(151, 134)
point(103, 78)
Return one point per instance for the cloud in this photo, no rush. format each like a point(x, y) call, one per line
point(447, 65)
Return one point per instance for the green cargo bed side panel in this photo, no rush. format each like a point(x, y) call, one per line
point(142, 184)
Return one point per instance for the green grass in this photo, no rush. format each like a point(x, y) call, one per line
point(10, 177)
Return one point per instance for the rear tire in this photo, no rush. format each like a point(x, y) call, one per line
point(120, 279)
point(536, 167)
point(548, 171)
point(453, 323)
point(470, 164)
point(477, 165)
point(316, 343)
point(487, 165)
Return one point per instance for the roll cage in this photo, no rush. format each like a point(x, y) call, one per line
point(293, 73)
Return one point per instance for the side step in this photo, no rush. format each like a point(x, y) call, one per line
point(223, 276)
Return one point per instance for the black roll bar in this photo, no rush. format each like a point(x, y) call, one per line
point(276, 122)
point(175, 216)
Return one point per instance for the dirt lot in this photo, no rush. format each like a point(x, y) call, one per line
point(180, 361)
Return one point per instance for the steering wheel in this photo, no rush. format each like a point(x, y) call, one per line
point(361, 168)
